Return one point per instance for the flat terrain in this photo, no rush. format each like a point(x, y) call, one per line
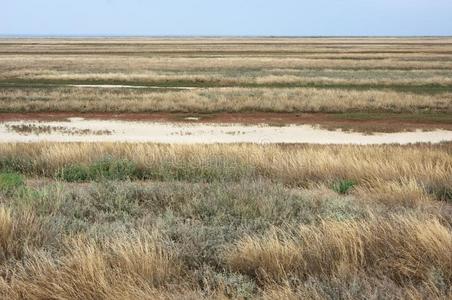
point(191, 130)
point(359, 122)
point(92, 208)
point(227, 75)
point(146, 221)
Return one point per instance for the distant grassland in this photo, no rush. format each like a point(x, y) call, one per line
point(228, 99)
point(146, 221)
point(403, 68)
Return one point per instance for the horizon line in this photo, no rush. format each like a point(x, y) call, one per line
point(211, 36)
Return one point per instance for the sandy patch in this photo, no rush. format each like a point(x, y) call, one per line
point(184, 133)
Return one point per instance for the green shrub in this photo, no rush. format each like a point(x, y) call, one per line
point(113, 169)
point(10, 182)
point(74, 173)
point(343, 186)
point(108, 168)
point(214, 169)
point(442, 193)
point(16, 164)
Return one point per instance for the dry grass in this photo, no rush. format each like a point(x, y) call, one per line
point(408, 192)
point(350, 74)
point(403, 249)
point(127, 267)
point(21, 233)
point(237, 78)
point(298, 165)
point(219, 99)
point(105, 63)
point(171, 240)
point(219, 239)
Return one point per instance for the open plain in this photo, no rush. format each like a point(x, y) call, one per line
point(188, 168)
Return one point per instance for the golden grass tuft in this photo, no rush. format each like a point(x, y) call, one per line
point(20, 233)
point(402, 248)
point(6, 229)
point(410, 193)
point(123, 267)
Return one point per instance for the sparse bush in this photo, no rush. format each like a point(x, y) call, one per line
point(74, 173)
point(443, 193)
point(113, 169)
point(343, 186)
point(10, 182)
point(107, 168)
point(232, 285)
point(13, 163)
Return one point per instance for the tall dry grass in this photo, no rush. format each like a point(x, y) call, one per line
point(404, 249)
point(233, 234)
point(192, 241)
point(21, 233)
point(128, 267)
point(428, 165)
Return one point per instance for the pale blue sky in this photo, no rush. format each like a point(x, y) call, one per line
point(229, 17)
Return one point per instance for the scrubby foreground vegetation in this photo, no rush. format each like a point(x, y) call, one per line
point(144, 221)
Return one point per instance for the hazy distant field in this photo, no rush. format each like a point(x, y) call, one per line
point(242, 221)
point(283, 75)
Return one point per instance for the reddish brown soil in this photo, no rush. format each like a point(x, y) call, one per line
point(331, 121)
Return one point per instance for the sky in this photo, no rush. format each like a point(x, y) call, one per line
point(226, 18)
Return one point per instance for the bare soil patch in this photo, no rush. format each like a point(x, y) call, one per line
point(348, 122)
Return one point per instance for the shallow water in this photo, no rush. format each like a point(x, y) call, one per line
point(90, 130)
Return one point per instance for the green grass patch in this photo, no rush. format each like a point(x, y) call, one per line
point(113, 169)
point(9, 182)
point(74, 173)
point(107, 168)
point(110, 168)
point(343, 186)
point(23, 165)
